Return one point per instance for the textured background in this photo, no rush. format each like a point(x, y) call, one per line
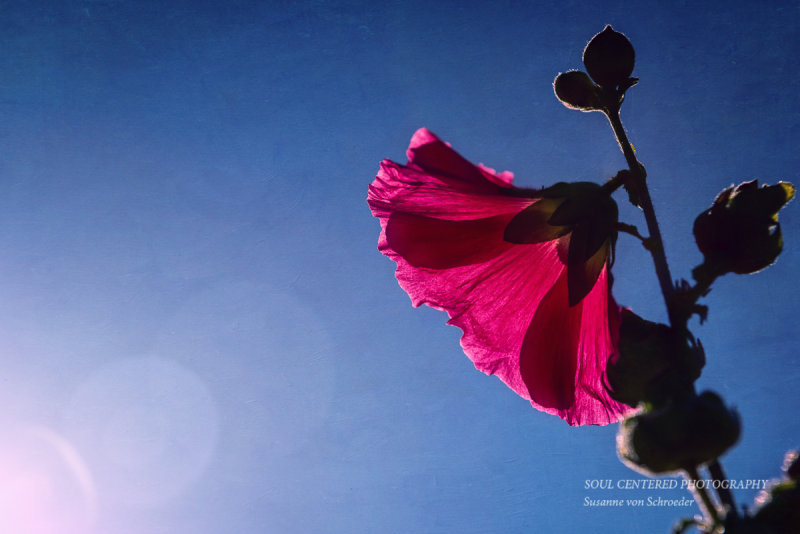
point(197, 334)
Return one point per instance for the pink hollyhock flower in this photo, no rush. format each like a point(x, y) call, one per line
point(468, 242)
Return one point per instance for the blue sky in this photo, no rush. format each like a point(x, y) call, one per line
point(197, 333)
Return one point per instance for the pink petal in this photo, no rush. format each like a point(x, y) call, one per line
point(492, 295)
point(428, 152)
point(401, 188)
point(565, 352)
point(442, 220)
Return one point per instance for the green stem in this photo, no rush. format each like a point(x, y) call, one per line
point(706, 505)
point(657, 248)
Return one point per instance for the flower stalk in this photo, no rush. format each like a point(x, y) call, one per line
point(678, 322)
point(707, 505)
point(723, 492)
point(639, 184)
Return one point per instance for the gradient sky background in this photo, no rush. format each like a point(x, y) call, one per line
point(197, 333)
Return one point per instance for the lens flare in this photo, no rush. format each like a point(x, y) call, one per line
point(45, 485)
point(148, 427)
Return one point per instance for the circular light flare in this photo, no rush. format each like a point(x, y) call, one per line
point(271, 357)
point(148, 426)
point(45, 486)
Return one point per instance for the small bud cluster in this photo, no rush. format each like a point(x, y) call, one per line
point(609, 59)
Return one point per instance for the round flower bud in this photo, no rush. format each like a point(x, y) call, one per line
point(684, 434)
point(740, 232)
point(609, 58)
point(576, 91)
point(653, 362)
point(781, 511)
point(736, 525)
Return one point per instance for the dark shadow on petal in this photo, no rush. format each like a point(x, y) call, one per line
point(549, 354)
point(431, 243)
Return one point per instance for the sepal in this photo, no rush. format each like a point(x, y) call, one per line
point(585, 215)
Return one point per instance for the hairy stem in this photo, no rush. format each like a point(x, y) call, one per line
point(677, 319)
point(657, 244)
point(705, 502)
point(725, 494)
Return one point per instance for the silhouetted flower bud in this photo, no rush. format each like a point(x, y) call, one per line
point(747, 525)
point(740, 232)
point(653, 362)
point(609, 59)
point(685, 433)
point(577, 91)
point(780, 511)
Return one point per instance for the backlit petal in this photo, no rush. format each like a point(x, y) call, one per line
point(565, 353)
point(443, 221)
